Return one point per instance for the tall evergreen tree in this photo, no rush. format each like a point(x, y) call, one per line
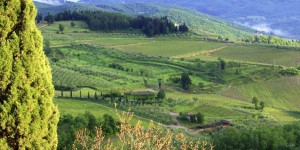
point(185, 81)
point(28, 117)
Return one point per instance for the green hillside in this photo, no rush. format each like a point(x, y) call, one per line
point(281, 93)
point(95, 71)
point(261, 54)
point(46, 8)
point(199, 23)
point(84, 58)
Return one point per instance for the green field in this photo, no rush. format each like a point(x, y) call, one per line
point(171, 47)
point(260, 54)
point(84, 60)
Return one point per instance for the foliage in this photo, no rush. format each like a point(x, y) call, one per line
point(185, 81)
point(222, 63)
point(161, 94)
point(291, 71)
point(272, 40)
point(262, 105)
point(39, 17)
point(61, 27)
point(72, 24)
point(200, 118)
point(49, 18)
point(255, 101)
point(47, 47)
point(138, 137)
point(281, 137)
point(116, 66)
point(68, 126)
point(108, 21)
point(28, 115)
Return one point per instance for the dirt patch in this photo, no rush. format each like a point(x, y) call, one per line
point(207, 52)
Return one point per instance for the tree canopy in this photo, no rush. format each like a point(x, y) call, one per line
point(108, 21)
point(28, 115)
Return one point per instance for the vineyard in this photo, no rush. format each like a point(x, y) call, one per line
point(260, 54)
point(88, 65)
point(282, 93)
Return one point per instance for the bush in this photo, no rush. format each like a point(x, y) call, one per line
point(289, 71)
point(200, 118)
point(137, 137)
point(161, 94)
point(116, 66)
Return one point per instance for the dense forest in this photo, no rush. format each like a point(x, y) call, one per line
point(108, 21)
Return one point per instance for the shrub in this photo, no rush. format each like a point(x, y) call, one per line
point(161, 94)
point(137, 137)
point(289, 71)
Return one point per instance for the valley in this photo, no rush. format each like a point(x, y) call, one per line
point(82, 60)
point(174, 78)
point(149, 75)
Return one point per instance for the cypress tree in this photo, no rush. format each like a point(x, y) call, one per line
point(28, 117)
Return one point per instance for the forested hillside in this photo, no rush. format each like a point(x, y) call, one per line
point(108, 21)
point(271, 16)
point(200, 23)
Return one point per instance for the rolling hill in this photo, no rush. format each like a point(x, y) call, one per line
point(272, 16)
point(199, 23)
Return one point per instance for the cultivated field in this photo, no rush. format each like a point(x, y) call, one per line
point(281, 93)
point(92, 63)
point(260, 54)
point(171, 47)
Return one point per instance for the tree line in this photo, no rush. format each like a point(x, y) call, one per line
point(270, 40)
point(109, 21)
point(69, 125)
point(281, 137)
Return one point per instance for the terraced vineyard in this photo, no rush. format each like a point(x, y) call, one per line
point(70, 78)
point(282, 93)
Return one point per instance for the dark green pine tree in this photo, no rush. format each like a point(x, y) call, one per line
point(28, 117)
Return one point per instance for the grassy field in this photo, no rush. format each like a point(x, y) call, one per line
point(260, 54)
point(80, 34)
point(221, 107)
